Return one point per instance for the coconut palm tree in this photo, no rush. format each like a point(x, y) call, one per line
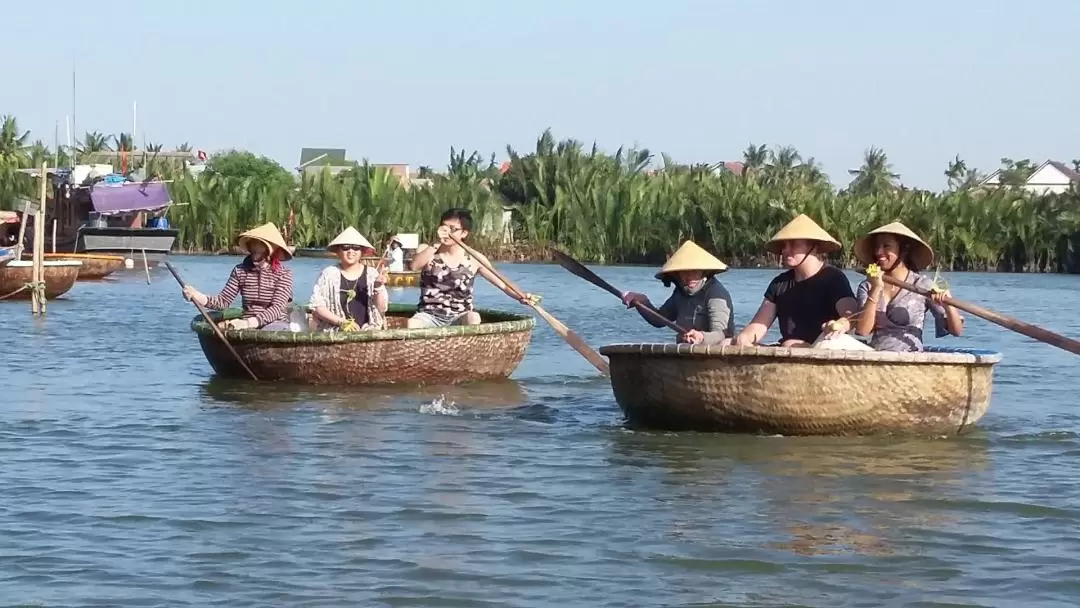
point(13, 146)
point(92, 142)
point(874, 176)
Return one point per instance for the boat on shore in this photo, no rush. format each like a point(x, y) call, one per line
point(94, 266)
point(15, 275)
point(105, 213)
point(800, 391)
point(397, 355)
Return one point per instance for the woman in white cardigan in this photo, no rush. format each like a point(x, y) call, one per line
point(350, 296)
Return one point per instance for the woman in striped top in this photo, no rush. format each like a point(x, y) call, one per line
point(264, 284)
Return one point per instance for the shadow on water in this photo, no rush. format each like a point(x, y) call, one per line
point(816, 495)
point(827, 456)
point(278, 396)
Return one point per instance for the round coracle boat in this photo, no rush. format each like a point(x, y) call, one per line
point(444, 355)
point(15, 275)
point(800, 391)
point(94, 267)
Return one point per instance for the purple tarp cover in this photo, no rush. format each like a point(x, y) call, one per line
point(129, 196)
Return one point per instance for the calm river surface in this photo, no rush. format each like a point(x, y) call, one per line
point(131, 476)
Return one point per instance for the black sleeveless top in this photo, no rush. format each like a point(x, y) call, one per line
point(356, 309)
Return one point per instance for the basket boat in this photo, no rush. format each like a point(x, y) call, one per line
point(444, 355)
point(60, 277)
point(94, 267)
point(800, 391)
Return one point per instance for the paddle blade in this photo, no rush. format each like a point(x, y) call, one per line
point(578, 269)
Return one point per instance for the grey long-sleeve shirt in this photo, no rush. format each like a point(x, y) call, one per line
point(709, 311)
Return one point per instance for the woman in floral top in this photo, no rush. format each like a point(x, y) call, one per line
point(894, 316)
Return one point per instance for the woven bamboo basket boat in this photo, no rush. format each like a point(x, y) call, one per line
point(800, 391)
point(444, 355)
point(94, 266)
point(60, 277)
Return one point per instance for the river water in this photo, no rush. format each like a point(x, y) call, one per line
point(132, 476)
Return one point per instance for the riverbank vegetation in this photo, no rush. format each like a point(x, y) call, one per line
point(630, 206)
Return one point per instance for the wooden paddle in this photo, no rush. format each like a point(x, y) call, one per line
point(564, 332)
point(579, 269)
point(217, 330)
point(1020, 327)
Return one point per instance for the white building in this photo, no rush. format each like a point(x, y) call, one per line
point(1051, 177)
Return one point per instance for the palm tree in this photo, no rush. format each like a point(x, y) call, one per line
point(93, 142)
point(755, 157)
point(875, 175)
point(124, 142)
point(13, 146)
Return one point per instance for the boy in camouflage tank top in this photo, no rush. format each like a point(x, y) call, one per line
point(447, 275)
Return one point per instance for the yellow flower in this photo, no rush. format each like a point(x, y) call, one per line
point(873, 270)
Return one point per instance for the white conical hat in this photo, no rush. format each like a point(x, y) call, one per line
point(349, 236)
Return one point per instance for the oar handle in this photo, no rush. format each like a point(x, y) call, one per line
point(569, 336)
point(213, 326)
point(655, 314)
point(1032, 331)
point(176, 276)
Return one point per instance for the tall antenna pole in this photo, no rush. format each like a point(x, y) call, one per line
point(74, 154)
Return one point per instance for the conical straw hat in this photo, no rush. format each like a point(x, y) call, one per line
point(349, 236)
point(921, 253)
point(269, 234)
point(803, 228)
point(692, 257)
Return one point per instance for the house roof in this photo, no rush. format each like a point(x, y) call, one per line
point(1065, 170)
point(735, 167)
point(330, 156)
point(1061, 167)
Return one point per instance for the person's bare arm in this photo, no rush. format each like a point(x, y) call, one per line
point(756, 329)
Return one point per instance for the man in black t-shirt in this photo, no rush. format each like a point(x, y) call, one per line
point(808, 296)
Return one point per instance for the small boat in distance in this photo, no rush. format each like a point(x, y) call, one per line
point(15, 275)
point(94, 267)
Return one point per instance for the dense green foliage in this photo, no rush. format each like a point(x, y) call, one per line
point(611, 208)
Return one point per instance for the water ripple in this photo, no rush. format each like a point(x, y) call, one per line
point(134, 477)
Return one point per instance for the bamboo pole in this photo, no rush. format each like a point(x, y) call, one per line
point(37, 294)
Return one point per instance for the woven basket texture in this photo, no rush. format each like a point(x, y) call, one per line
point(800, 391)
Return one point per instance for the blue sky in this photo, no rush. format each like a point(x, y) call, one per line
point(402, 81)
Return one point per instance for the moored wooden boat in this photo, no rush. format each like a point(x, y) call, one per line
point(405, 278)
point(309, 252)
point(445, 355)
point(60, 277)
point(800, 391)
point(94, 266)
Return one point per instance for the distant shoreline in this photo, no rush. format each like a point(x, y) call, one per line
point(504, 257)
